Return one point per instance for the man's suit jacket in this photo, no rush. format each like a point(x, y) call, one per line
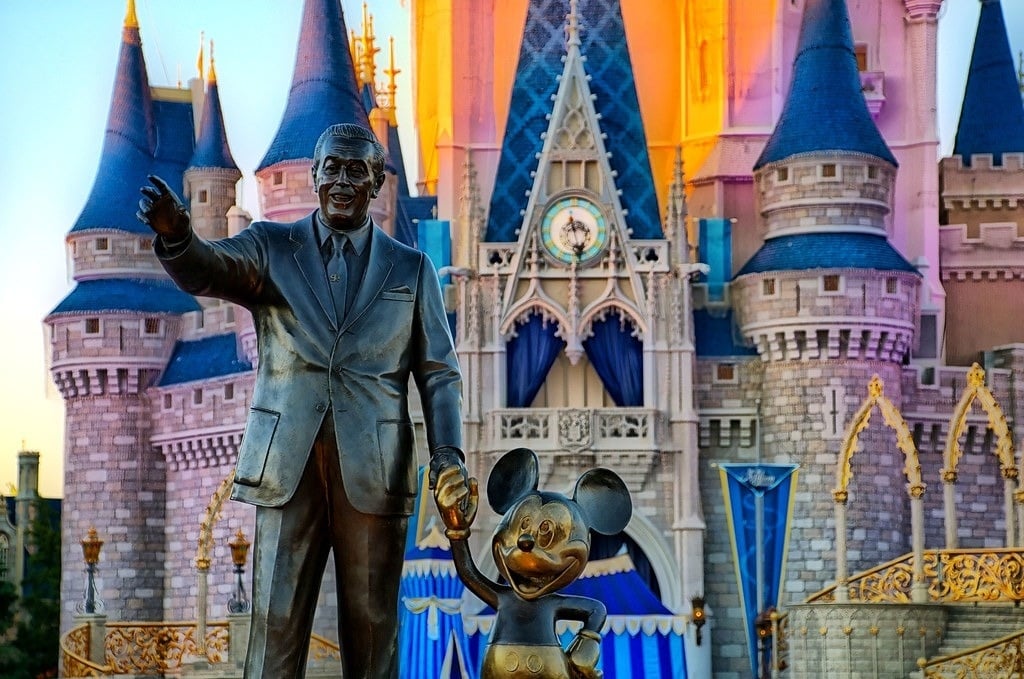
point(310, 363)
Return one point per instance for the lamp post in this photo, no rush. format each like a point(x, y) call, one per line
point(91, 545)
point(239, 601)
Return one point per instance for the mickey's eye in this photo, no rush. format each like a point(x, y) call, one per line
point(525, 525)
point(545, 533)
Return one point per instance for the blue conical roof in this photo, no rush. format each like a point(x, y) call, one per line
point(324, 89)
point(603, 39)
point(825, 109)
point(212, 148)
point(992, 115)
point(128, 144)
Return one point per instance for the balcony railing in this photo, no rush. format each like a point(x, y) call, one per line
point(575, 429)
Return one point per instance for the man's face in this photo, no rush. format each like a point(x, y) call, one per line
point(345, 182)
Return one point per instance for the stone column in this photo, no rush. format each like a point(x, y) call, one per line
point(842, 593)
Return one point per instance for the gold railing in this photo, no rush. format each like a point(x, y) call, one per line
point(1002, 658)
point(137, 648)
point(952, 575)
point(74, 647)
point(157, 648)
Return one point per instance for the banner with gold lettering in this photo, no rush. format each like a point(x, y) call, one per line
point(758, 505)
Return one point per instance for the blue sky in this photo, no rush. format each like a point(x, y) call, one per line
point(57, 60)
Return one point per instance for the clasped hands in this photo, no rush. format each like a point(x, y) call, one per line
point(457, 496)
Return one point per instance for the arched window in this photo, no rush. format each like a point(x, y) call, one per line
point(5, 552)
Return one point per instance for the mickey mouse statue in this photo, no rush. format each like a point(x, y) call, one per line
point(541, 544)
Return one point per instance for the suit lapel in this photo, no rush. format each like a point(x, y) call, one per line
point(378, 267)
point(311, 264)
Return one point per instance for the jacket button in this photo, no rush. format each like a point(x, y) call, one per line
point(321, 407)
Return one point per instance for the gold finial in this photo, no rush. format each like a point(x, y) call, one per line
point(975, 376)
point(367, 49)
point(199, 59)
point(391, 71)
point(212, 74)
point(875, 387)
point(130, 18)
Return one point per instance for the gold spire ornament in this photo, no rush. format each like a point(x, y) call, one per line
point(199, 59)
point(131, 20)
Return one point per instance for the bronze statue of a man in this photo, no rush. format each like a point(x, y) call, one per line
point(344, 314)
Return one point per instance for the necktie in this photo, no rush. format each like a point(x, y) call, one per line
point(337, 274)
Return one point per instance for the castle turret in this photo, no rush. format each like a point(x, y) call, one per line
point(324, 91)
point(109, 340)
point(212, 174)
point(827, 301)
point(982, 211)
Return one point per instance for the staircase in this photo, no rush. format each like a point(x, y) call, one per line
point(972, 625)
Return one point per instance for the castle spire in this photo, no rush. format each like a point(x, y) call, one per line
point(129, 141)
point(825, 108)
point(212, 150)
point(324, 90)
point(992, 115)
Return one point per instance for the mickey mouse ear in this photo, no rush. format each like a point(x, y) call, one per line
point(515, 474)
point(604, 499)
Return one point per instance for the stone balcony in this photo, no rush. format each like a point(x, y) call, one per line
point(624, 439)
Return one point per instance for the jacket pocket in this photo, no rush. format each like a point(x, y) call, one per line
point(255, 448)
point(397, 449)
point(397, 296)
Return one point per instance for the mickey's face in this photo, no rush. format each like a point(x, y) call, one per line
point(541, 545)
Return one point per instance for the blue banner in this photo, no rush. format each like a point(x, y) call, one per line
point(714, 248)
point(758, 505)
point(433, 237)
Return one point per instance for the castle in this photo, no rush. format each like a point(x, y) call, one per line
point(672, 235)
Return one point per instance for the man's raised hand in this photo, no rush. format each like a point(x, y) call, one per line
point(163, 211)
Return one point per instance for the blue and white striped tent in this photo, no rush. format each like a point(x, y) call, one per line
point(641, 638)
point(431, 637)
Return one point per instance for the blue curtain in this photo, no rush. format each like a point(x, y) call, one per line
point(528, 358)
point(618, 358)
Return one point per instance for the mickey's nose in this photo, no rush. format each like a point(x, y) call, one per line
point(526, 542)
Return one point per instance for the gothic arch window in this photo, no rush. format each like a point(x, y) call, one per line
point(5, 557)
point(529, 355)
point(616, 352)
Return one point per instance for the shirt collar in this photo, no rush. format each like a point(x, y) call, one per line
point(359, 238)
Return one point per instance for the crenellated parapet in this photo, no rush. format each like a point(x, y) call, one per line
point(821, 314)
point(981, 184)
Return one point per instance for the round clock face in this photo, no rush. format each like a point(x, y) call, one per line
point(574, 228)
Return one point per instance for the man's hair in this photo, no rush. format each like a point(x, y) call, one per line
point(350, 131)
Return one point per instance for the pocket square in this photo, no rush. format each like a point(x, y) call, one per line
point(400, 290)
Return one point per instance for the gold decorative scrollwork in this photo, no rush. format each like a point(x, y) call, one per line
point(994, 575)
point(209, 519)
point(74, 652)
point(141, 648)
point(894, 420)
point(1003, 658)
point(953, 575)
point(977, 391)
